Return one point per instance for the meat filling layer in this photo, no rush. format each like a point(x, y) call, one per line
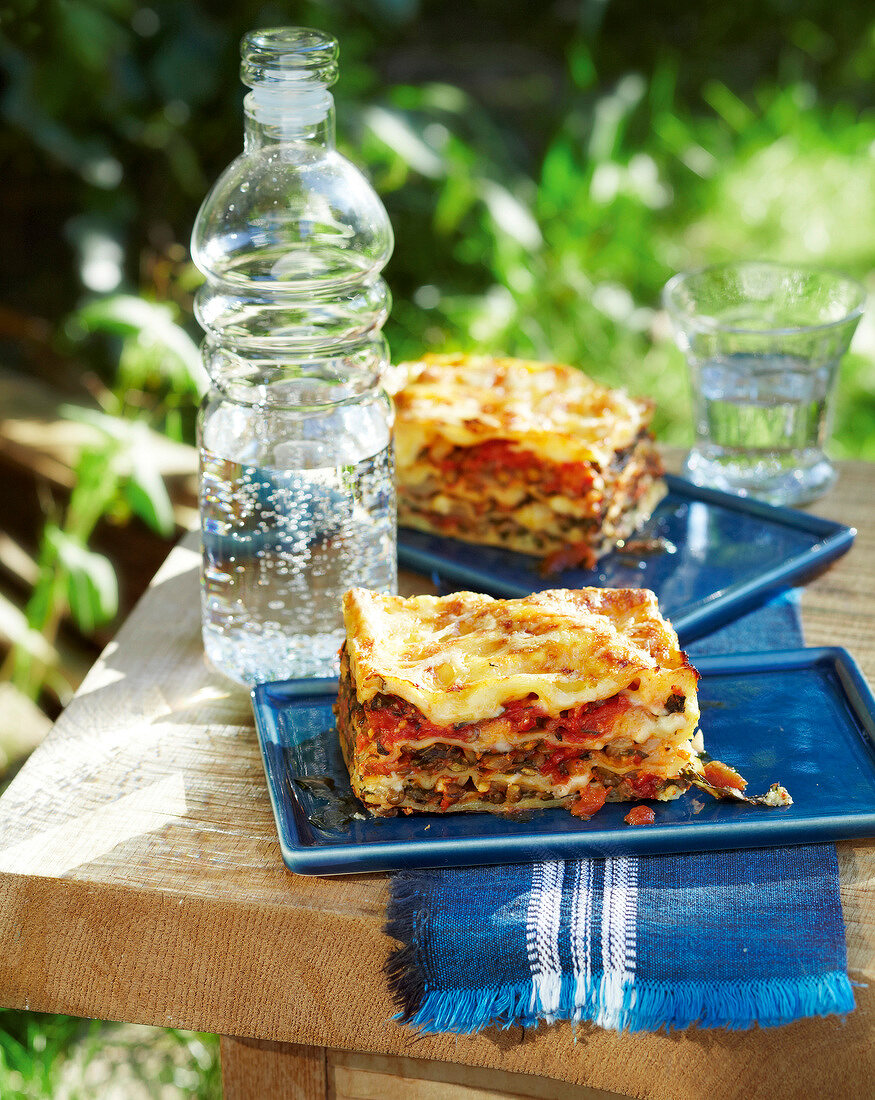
point(497, 494)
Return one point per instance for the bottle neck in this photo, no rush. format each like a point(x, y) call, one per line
point(286, 116)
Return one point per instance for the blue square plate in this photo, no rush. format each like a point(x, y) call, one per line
point(730, 553)
point(801, 717)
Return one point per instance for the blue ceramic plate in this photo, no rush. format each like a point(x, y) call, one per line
point(803, 717)
point(730, 553)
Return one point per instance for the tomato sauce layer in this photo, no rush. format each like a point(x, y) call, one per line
point(392, 720)
point(486, 459)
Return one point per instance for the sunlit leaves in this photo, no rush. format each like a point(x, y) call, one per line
point(91, 585)
point(396, 132)
point(132, 457)
point(511, 216)
point(153, 342)
point(417, 139)
point(144, 490)
point(733, 110)
point(44, 1056)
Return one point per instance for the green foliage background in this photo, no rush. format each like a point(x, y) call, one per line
point(546, 167)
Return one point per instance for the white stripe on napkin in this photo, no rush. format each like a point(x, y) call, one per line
point(542, 937)
point(580, 934)
point(619, 943)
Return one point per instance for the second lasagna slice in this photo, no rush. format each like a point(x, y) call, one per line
point(464, 702)
point(533, 457)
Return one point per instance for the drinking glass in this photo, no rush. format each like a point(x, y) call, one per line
point(763, 343)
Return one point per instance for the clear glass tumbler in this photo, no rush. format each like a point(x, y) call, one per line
point(763, 342)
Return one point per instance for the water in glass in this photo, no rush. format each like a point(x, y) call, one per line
point(761, 424)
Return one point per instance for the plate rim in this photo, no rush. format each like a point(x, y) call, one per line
point(357, 858)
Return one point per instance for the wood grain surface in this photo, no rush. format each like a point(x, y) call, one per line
point(141, 879)
point(254, 1068)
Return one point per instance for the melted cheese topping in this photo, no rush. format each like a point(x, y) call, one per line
point(554, 411)
point(460, 658)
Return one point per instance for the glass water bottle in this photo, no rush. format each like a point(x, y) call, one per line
point(297, 496)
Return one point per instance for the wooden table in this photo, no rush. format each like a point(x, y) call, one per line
point(141, 880)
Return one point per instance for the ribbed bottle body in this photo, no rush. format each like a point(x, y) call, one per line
point(297, 495)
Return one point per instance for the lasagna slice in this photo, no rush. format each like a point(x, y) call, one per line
point(534, 457)
point(564, 698)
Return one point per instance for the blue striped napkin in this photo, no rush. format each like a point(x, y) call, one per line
point(717, 939)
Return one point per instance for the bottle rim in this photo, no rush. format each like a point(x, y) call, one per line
point(288, 56)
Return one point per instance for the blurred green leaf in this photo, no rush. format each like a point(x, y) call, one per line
point(729, 106)
point(511, 216)
point(398, 134)
point(146, 493)
point(133, 458)
point(151, 324)
point(455, 200)
point(92, 33)
point(127, 435)
point(92, 588)
point(581, 65)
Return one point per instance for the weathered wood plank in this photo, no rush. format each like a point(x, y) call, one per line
point(254, 1068)
point(353, 1076)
